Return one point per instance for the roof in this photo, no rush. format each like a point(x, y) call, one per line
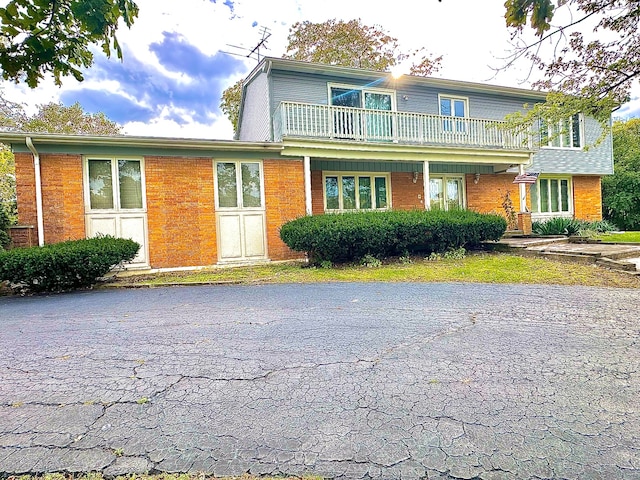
point(269, 63)
point(19, 138)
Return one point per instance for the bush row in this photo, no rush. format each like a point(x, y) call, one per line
point(570, 226)
point(64, 266)
point(350, 236)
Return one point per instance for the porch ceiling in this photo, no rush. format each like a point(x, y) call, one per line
point(295, 147)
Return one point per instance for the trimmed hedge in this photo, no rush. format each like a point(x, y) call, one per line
point(346, 237)
point(64, 266)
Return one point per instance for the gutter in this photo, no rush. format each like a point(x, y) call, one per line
point(38, 181)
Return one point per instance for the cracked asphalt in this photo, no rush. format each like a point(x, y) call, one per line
point(338, 380)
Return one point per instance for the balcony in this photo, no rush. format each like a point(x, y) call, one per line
point(347, 123)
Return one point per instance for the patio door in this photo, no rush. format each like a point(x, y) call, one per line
point(240, 212)
point(357, 119)
point(446, 193)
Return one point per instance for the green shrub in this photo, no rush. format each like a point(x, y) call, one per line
point(64, 266)
point(5, 239)
point(347, 237)
point(570, 226)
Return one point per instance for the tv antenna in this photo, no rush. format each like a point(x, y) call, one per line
point(254, 53)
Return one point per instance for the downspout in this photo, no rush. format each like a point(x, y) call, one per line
point(38, 180)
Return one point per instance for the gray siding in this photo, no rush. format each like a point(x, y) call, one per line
point(308, 88)
point(595, 161)
point(305, 88)
point(255, 124)
point(355, 166)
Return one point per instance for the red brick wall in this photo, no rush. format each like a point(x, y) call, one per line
point(284, 198)
point(317, 192)
point(180, 211)
point(488, 194)
point(26, 190)
point(406, 195)
point(62, 194)
point(587, 195)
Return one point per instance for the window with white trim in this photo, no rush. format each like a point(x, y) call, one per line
point(356, 191)
point(551, 195)
point(453, 107)
point(446, 192)
point(567, 133)
point(115, 184)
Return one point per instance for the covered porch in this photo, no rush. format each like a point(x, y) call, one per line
point(346, 177)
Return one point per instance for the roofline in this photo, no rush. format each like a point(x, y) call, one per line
point(136, 141)
point(267, 63)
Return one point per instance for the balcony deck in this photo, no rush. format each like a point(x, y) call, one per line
point(346, 123)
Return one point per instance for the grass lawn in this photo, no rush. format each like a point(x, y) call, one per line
point(475, 267)
point(626, 237)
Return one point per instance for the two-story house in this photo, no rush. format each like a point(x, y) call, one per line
point(312, 138)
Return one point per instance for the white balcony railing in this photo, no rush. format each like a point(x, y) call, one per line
point(347, 123)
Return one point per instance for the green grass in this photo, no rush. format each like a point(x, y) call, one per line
point(475, 268)
point(626, 237)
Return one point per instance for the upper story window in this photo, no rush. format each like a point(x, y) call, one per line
point(567, 133)
point(453, 107)
point(360, 97)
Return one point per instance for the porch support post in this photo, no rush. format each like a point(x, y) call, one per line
point(425, 184)
point(307, 186)
point(523, 192)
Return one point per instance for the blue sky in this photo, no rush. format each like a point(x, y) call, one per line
point(174, 68)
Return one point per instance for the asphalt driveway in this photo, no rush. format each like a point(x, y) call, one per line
point(338, 380)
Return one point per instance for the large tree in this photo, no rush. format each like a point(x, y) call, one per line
point(50, 118)
point(347, 44)
point(589, 60)
point(54, 36)
point(621, 191)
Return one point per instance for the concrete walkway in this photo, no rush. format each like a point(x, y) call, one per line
point(618, 256)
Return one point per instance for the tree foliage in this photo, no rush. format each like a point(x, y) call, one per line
point(230, 103)
point(8, 203)
point(352, 44)
point(50, 118)
point(621, 191)
point(626, 145)
point(593, 55)
point(340, 43)
point(43, 36)
point(58, 118)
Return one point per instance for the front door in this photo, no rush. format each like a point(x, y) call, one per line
point(240, 212)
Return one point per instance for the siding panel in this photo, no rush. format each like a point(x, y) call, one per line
point(256, 115)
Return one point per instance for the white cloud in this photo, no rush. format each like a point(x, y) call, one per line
point(471, 35)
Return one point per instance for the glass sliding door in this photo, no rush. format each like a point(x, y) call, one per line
point(354, 113)
point(446, 192)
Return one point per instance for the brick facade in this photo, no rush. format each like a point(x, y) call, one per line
point(406, 195)
point(62, 195)
point(284, 198)
point(489, 193)
point(587, 198)
point(317, 193)
point(180, 212)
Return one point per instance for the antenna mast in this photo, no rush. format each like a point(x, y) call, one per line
point(254, 53)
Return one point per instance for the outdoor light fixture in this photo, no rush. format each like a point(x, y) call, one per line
point(476, 179)
point(415, 177)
